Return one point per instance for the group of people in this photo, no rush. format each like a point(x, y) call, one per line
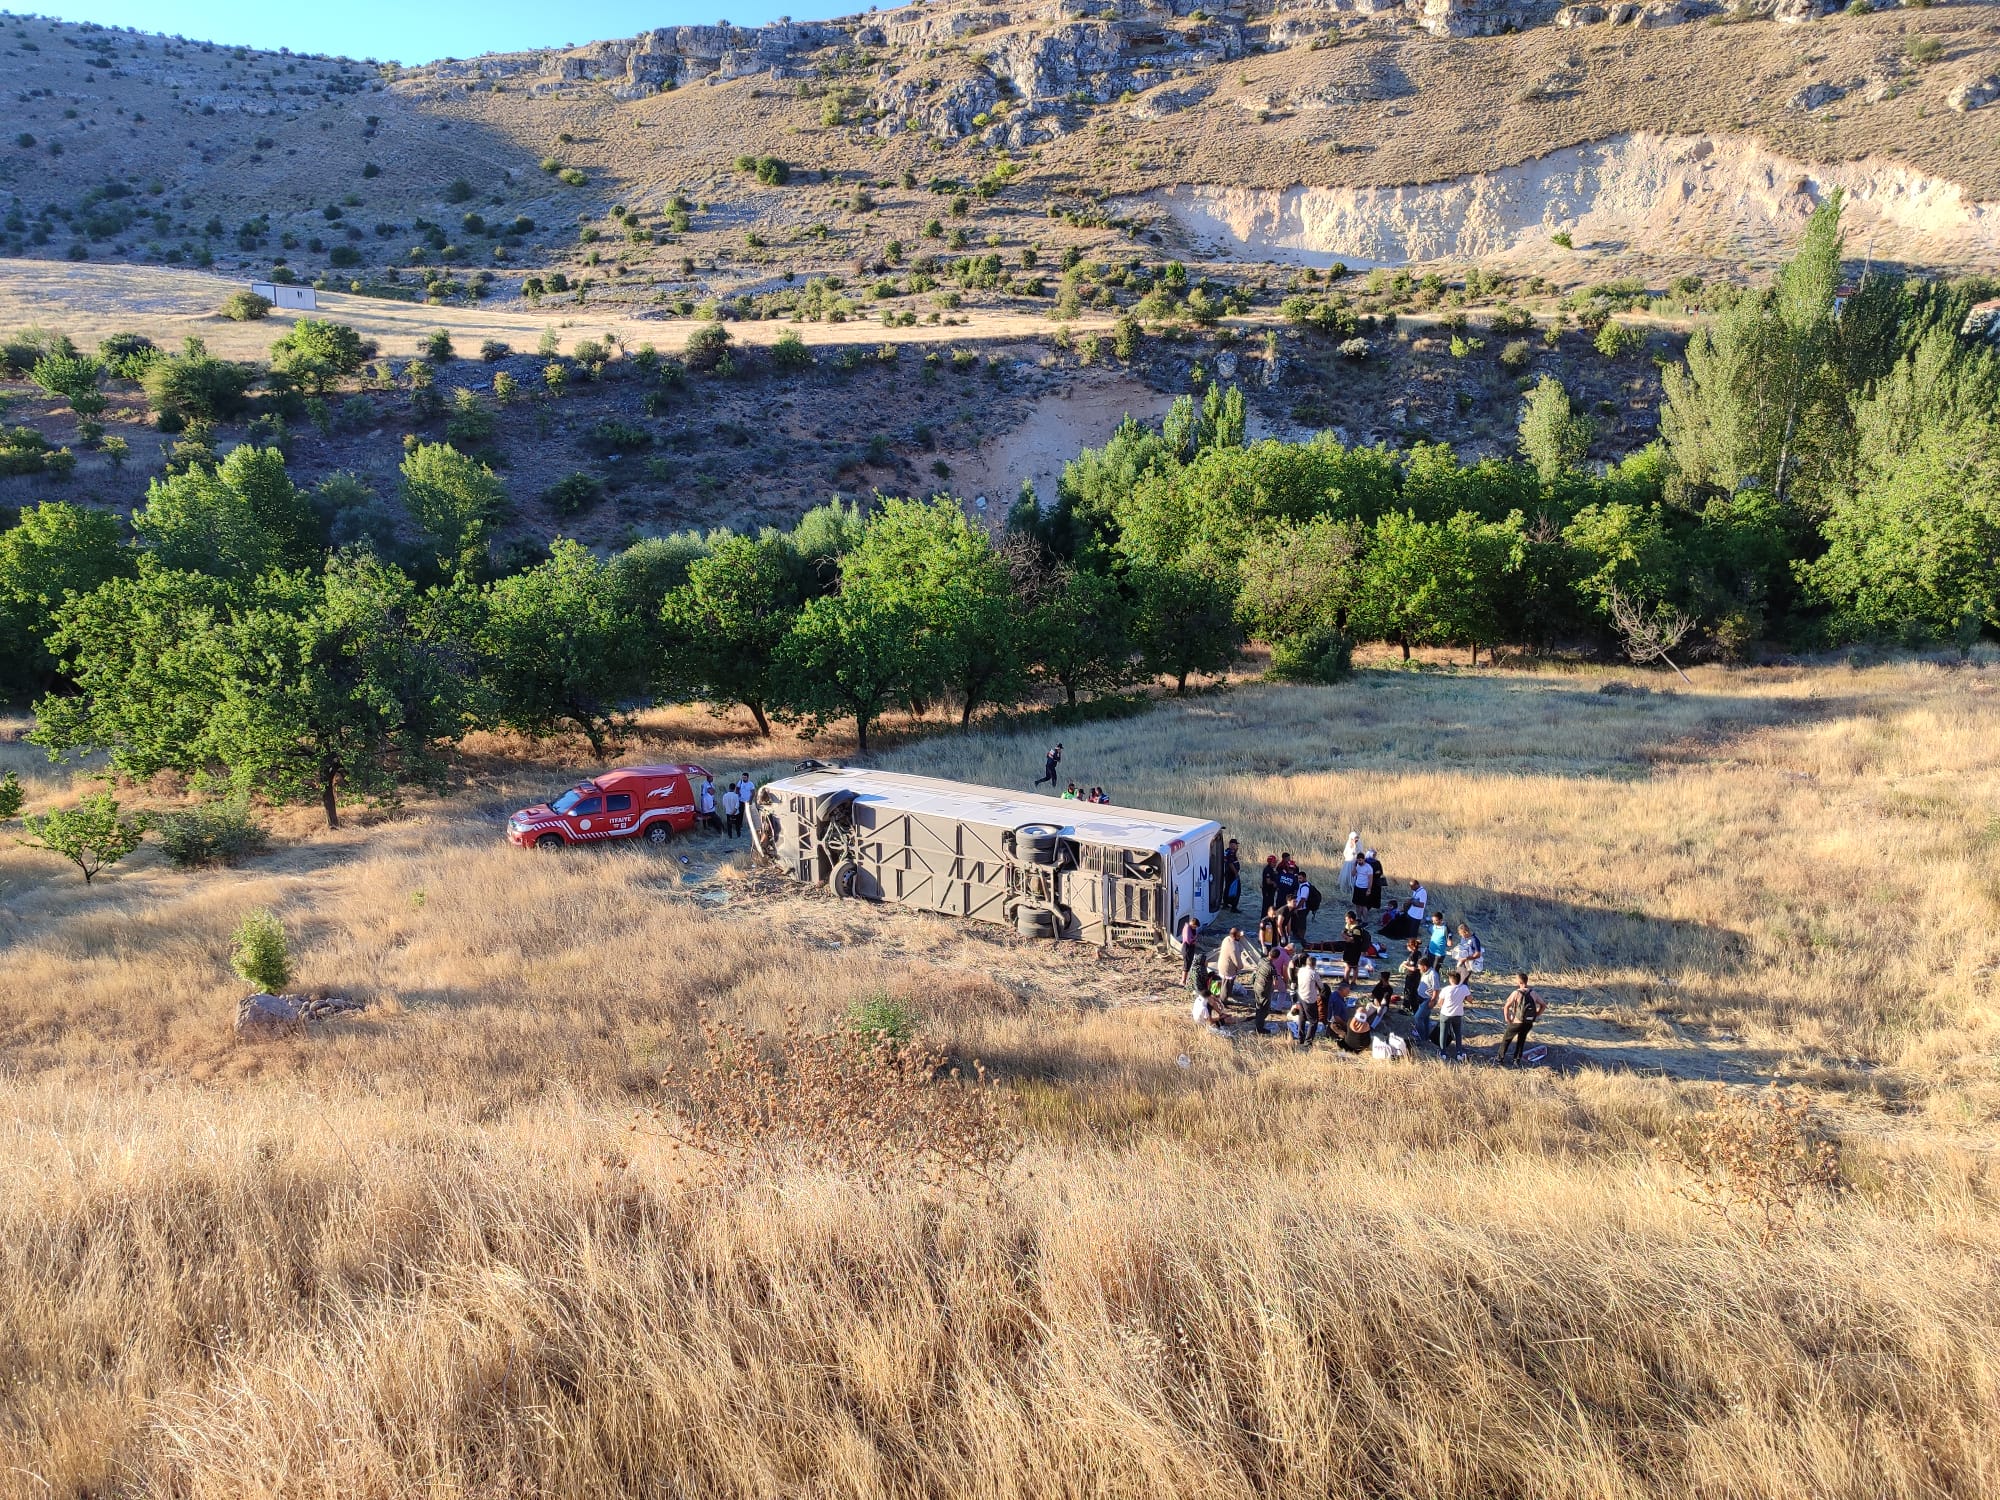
point(726, 813)
point(1051, 762)
point(1279, 974)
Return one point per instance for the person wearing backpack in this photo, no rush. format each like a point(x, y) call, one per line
point(1305, 901)
point(1520, 1011)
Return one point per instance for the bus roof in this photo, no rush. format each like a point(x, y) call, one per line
point(1088, 822)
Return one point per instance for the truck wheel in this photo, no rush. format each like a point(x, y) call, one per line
point(549, 843)
point(659, 833)
point(1035, 922)
point(843, 880)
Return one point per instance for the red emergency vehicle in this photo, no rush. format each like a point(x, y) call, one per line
point(650, 802)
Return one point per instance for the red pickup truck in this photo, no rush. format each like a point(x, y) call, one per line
point(650, 802)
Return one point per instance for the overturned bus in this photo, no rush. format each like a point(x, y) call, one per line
point(1050, 867)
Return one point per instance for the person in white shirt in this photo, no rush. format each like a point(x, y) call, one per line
point(746, 793)
point(1419, 903)
point(1469, 951)
point(1451, 1015)
point(732, 812)
point(705, 804)
point(1348, 857)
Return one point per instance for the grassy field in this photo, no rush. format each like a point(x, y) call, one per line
point(424, 1251)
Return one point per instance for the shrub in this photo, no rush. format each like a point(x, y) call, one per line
point(215, 833)
point(469, 422)
point(790, 354)
point(245, 307)
point(194, 383)
point(1562, 237)
point(21, 352)
point(343, 256)
point(1358, 348)
point(572, 177)
point(860, 1103)
point(127, 355)
point(1766, 1159)
point(707, 346)
point(492, 351)
point(505, 388)
point(773, 171)
point(1322, 655)
point(435, 346)
point(1615, 340)
point(262, 955)
point(881, 1017)
point(460, 191)
point(610, 435)
point(555, 375)
point(90, 835)
point(574, 493)
point(1517, 355)
point(11, 796)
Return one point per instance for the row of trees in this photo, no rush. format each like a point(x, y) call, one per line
point(1824, 473)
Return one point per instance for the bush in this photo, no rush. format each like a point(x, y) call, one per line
point(1323, 655)
point(1356, 349)
point(790, 354)
point(21, 352)
point(610, 435)
point(574, 493)
point(215, 833)
point(435, 346)
point(194, 383)
point(470, 421)
point(25, 451)
point(262, 956)
point(706, 346)
point(459, 192)
point(245, 307)
point(90, 835)
point(1615, 340)
point(127, 355)
point(492, 351)
point(881, 1017)
point(505, 388)
point(11, 796)
point(1517, 355)
point(572, 177)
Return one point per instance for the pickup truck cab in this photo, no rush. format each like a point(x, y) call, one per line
point(650, 802)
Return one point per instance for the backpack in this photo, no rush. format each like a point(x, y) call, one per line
point(1531, 1006)
point(1312, 899)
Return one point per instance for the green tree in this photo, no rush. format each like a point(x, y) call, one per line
point(1300, 587)
point(1185, 617)
point(1554, 436)
point(1431, 583)
point(849, 655)
point(239, 521)
point(1760, 395)
point(1629, 549)
point(333, 685)
point(1079, 633)
point(726, 624)
point(457, 500)
point(55, 550)
point(925, 554)
point(11, 796)
point(558, 652)
point(316, 353)
point(90, 835)
point(1916, 551)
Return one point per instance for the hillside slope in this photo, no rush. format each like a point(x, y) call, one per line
point(1058, 126)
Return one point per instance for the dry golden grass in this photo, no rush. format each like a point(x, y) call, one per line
point(423, 1251)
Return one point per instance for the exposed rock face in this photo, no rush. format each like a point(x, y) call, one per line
point(1976, 93)
point(1480, 17)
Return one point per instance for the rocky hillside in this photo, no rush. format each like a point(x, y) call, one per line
point(1059, 125)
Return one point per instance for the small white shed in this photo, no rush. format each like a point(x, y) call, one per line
point(281, 294)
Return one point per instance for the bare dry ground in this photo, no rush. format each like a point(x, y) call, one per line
point(423, 1251)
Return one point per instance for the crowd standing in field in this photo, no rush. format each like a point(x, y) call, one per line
point(1345, 987)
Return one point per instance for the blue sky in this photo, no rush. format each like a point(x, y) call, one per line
point(412, 33)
